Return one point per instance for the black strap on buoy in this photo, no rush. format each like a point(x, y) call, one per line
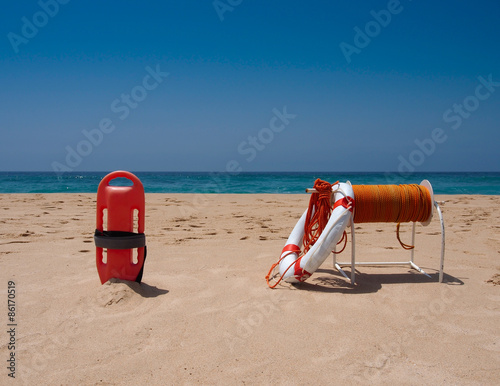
point(122, 240)
point(119, 239)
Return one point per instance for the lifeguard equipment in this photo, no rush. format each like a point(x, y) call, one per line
point(324, 230)
point(117, 233)
point(366, 203)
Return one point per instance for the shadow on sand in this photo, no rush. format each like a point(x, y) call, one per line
point(371, 282)
point(143, 289)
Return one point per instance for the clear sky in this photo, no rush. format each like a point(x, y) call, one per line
point(247, 85)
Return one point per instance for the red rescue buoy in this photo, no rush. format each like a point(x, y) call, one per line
point(117, 235)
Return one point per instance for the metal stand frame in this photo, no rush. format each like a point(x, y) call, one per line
point(410, 263)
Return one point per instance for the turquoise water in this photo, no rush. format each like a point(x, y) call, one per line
point(186, 182)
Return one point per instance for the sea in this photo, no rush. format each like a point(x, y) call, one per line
point(248, 182)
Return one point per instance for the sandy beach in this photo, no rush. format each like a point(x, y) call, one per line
point(204, 314)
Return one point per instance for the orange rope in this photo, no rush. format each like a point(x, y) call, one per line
point(344, 239)
point(268, 276)
point(391, 203)
point(405, 246)
point(318, 213)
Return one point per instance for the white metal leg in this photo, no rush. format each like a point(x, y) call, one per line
point(412, 251)
point(353, 251)
point(441, 264)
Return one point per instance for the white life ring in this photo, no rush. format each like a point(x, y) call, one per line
point(306, 265)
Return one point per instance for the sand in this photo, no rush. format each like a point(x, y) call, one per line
point(204, 314)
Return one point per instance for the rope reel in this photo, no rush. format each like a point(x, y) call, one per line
point(372, 204)
point(392, 203)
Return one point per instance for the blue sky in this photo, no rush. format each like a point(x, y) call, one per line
point(251, 85)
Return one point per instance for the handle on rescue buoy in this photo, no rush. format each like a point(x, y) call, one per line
point(121, 174)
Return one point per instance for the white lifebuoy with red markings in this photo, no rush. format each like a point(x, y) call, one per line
point(294, 269)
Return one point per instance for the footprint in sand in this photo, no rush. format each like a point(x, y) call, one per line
point(15, 242)
point(495, 280)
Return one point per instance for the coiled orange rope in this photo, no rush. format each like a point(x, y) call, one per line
point(391, 203)
point(318, 213)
